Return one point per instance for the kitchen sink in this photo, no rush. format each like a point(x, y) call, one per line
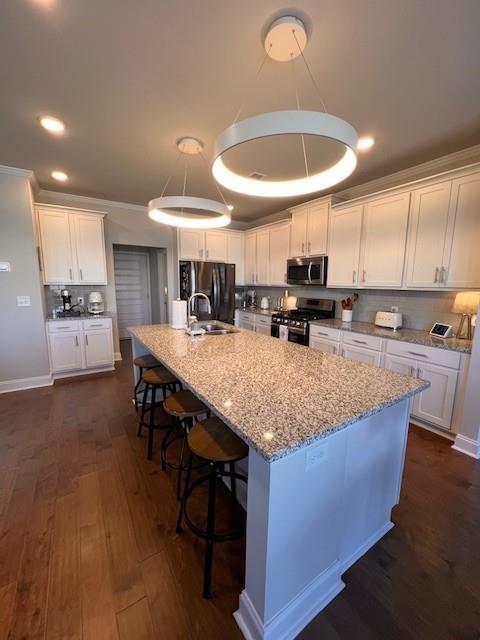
point(213, 329)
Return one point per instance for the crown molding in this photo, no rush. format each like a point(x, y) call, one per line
point(15, 171)
point(59, 198)
point(452, 161)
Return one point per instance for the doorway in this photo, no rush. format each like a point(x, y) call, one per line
point(140, 286)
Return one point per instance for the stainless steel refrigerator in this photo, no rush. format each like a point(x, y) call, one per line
point(217, 281)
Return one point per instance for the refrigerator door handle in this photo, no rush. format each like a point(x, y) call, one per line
point(215, 302)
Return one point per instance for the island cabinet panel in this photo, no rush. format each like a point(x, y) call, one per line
point(428, 226)
point(72, 245)
point(344, 246)
point(56, 246)
point(383, 242)
point(461, 265)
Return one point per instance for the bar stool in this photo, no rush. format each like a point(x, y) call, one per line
point(143, 362)
point(213, 442)
point(185, 408)
point(158, 378)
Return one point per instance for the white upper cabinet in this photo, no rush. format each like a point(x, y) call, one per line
point(72, 245)
point(428, 226)
point(191, 244)
point(236, 255)
point(279, 252)
point(298, 238)
point(383, 241)
point(263, 257)
point(309, 230)
point(250, 258)
point(90, 248)
point(216, 245)
point(56, 247)
point(344, 246)
point(461, 263)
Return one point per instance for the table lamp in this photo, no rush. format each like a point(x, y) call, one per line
point(466, 303)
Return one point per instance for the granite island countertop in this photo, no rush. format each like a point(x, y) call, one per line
point(276, 395)
point(414, 336)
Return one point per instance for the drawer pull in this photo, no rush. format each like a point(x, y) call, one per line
point(64, 327)
point(321, 333)
point(359, 341)
point(86, 340)
point(420, 355)
point(76, 341)
point(96, 325)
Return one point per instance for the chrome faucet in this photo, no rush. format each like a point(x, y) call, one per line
point(192, 318)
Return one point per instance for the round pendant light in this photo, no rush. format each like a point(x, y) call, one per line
point(189, 211)
point(286, 40)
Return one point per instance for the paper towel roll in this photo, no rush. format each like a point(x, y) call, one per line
point(179, 314)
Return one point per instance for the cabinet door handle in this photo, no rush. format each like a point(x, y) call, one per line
point(437, 270)
point(303, 247)
point(206, 253)
point(335, 350)
point(76, 341)
point(71, 274)
point(309, 246)
point(420, 355)
point(200, 251)
point(443, 275)
point(364, 276)
point(81, 274)
point(86, 340)
point(359, 341)
point(354, 277)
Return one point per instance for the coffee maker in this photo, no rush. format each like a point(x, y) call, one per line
point(66, 300)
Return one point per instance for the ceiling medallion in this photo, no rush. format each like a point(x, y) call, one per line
point(171, 210)
point(286, 39)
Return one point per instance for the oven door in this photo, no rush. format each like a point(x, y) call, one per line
point(307, 271)
point(298, 336)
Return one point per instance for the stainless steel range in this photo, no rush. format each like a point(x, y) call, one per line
point(293, 325)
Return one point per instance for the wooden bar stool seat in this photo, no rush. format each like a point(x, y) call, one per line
point(155, 379)
point(147, 361)
point(213, 442)
point(185, 408)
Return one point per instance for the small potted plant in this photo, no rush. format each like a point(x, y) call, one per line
point(347, 308)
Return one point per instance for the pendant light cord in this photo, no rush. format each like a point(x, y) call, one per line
point(310, 72)
point(259, 70)
point(214, 181)
point(171, 174)
point(305, 161)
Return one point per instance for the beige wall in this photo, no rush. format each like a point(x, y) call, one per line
point(23, 345)
point(127, 225)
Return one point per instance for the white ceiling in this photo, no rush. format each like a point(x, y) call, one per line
point(129, 77)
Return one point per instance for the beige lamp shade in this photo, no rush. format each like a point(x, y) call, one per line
point(466, 302)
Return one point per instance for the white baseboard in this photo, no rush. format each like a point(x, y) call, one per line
point(448, 435)
point(347, 563)
point(117, 356)
point(81, 372)
point(288, 623)
point(25, 383)
point(468, 446)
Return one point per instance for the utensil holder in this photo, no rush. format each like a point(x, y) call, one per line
point(347, 315)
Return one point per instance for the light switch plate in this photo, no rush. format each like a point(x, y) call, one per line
point(5, 267)
point(315, 456)
point(23, 301)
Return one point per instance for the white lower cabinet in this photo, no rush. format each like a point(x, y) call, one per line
point(98, 348)
point(263, 325)
point(362, 354)
point(321, 344)
point(65, 351)
point(77, 345)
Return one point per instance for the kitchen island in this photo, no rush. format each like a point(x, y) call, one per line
point(327, 439)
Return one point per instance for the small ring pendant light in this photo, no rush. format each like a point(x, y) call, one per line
point(165, 209)
point(285, 40)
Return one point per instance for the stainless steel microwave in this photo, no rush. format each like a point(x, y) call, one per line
point(307, 271)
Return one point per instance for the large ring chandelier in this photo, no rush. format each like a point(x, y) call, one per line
point(189, 211)
point(286, 40)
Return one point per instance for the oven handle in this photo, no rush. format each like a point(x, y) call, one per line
point(310, 273)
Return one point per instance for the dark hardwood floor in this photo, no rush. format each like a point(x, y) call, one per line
point(88, 548)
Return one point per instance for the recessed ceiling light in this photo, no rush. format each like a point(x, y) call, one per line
point(59, 175)
point(230, 207)
point(365, 143)
point(51, 124)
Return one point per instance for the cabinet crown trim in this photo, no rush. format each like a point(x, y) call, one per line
point(72, 210)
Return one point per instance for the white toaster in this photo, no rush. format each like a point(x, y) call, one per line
point(389, 319)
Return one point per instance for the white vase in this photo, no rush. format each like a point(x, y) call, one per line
point(347, 315)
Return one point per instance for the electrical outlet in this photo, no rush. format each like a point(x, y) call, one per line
point(23, 301)
point(81, 300)
point(316, 456)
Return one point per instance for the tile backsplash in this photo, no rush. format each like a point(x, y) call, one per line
point(420, 309)
point(53, 299)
